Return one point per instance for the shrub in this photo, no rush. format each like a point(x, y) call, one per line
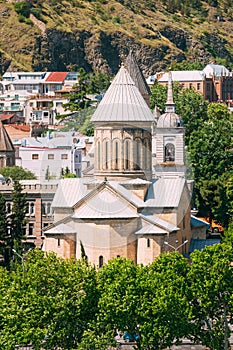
point(22, 8)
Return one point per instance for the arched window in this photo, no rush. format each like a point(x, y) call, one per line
point(101, 260)
point(127, 155)
point(148, 242)
point(138, 154)
point(116, 155)
point(169, 153)
point(106, 154)
point(98, 155)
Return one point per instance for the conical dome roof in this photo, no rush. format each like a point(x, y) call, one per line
point(122, 102)
point(136, 74)
point(169, 119)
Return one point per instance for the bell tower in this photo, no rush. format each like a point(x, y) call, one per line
point(170, 155)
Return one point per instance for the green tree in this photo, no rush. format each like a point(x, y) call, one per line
point(118, 300)
point(210, 152)
point(17, 173)
point(78, 98)
point(192, 109)
point(17, 218)
point(51, 306)
point(210, 279)
point(163, 306)
point(88, 127)
point(3, 231)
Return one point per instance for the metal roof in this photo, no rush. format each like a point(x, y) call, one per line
point(191, 75)
point(151, 230)
point(199, 244)
point(155, 220)
point(215, 69)
point(136, 74)
point(122, 102)
point(197, 222)
point(165, 192)
point(60, 229)
point(105, 204)
point(127, 194)
point(69, 192)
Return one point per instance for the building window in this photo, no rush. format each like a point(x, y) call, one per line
point(101, 261)
point(148, 242)
point(106, 154)
point(127, 155)
point(190, 85)
point(116, 155)
point(50, 156)
point(64, 156)
point(30, 229)
point(198, 86)
point(169, 153)
point(35, 156)
point(58, 242)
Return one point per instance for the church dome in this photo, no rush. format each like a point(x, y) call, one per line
point(169, 120)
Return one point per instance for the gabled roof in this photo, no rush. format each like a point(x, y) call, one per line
point(69, 192)
point(105, 204)
point(192, 75)
point(6, 116)
point(5, 141)
point(157, 224)
point(197, 222)
point(165, 192)
point(122, 102)
point(56, 77)
point(215, 69)
point(199, 244)
point(136, 74)
point(60, 229)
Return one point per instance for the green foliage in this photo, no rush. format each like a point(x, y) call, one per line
point(51, 306)
point(17, 173)
point(163, 304)
point(88, 127)
point(67, 304)
point(3, 228)
point(184, 65)
point(211, 294)
point(17, 218)
point(22, 8)
point(210, 151)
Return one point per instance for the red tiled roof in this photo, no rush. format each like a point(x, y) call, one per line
point(56, 77)
point(6, 116)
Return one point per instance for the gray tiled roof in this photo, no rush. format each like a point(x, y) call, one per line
point(60, 229)
point(136, 74)
point(69, 192)
point(122, 102)
point(155, 220)
point(105, 204)
point(165, 192)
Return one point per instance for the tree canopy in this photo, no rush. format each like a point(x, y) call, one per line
point(17, 173)
point(52, 303)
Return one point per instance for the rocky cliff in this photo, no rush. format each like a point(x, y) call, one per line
point(97, 35)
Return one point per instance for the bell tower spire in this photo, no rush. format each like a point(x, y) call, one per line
point(170, 159)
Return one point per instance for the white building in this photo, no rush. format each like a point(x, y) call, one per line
point(49, 158)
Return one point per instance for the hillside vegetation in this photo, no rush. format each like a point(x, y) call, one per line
point(96, 35)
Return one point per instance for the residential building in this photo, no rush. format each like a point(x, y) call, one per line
point(48, 158)
point(214, 82)
point(39, 196)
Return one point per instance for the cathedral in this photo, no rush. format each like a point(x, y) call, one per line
point(137, 203)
